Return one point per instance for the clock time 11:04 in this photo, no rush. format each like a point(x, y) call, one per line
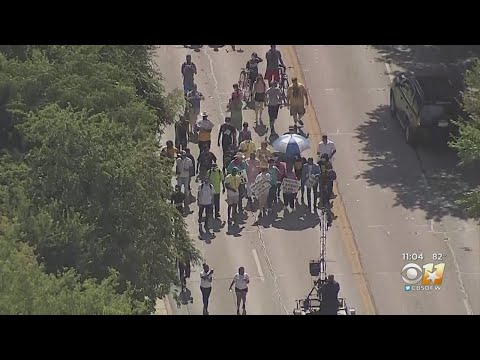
point(412, 256)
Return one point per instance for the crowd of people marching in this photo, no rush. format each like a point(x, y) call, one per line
point(251, 175)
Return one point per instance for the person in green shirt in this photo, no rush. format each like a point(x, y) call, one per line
point(215, 176)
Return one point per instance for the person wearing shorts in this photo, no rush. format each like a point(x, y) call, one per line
point(297, 100)
point(274, 61)
point(273, 99)
point(241, 281)
point(232, 184)
point(259, 89)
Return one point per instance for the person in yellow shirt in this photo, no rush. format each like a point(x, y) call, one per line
point(263, 154)
point(247, 146)
point(297, 100)
point(232, 184)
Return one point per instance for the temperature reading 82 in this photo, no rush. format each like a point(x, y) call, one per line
point(438, 256)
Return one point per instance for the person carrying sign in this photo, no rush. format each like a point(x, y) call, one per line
point(263, 177)
point(310, 173)
point(289, 195)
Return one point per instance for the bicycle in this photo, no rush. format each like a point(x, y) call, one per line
point(284, 83)
point(244, 85)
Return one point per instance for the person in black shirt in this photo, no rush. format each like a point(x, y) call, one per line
point(204, 162)
point(178, 198)
point(228, 135)
point(181, 133)
point(329, 293)
point(252, 67)
point(184, 268)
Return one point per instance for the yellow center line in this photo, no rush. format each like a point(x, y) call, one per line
point(346, 231)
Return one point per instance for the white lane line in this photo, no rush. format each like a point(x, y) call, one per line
point(257, 262)
point(467, 307)
point(389, 72)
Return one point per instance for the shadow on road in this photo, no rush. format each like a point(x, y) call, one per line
point(393, 164)
point(297, 220)
point(260, 128)
point(416, 58)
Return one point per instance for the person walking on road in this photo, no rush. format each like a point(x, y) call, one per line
point(247, 146)
point(184, 268)
point(235, 106)
point(241, 281)
point(194, 99)
point(297, 100)
point(227, 134)
point(181, 133)
point(205, 203)
point(253, 169)
point(298, 164)
point(263, 154)
point(326, 148)
point(215, 177)
point(183, 170)
point(252, 68)
point(204, 126)
point(206, 278)
point(282, 169)
point(178, 199)
point(228, 156)
point(244, 133)
point(204, 162)
point(273, 99)
point(310, 174)
point(274, 61)
point(240, 164)
point(263, 198)
point(189, 155)
point(188, 70)
point(275, 182)
point(259, 89)
point(289, 197)
point(232, 184)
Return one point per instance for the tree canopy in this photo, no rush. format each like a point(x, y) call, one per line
point(81, 183)
point(467, 143)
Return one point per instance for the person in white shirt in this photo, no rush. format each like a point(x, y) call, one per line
point(326, 147)
point(184, 165)
point(241, 281)
point(206, 278)
point(205, 203)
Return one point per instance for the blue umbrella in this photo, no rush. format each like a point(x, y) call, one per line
point(291, 144)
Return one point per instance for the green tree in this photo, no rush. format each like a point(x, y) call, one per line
point(467, 143)
point(27, 290)
point(88, 188)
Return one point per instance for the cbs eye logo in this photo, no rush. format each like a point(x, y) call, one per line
point(430, 274)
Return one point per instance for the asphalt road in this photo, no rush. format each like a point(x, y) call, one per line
point(398, 200)
point(393, 199)
point(275, 252)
